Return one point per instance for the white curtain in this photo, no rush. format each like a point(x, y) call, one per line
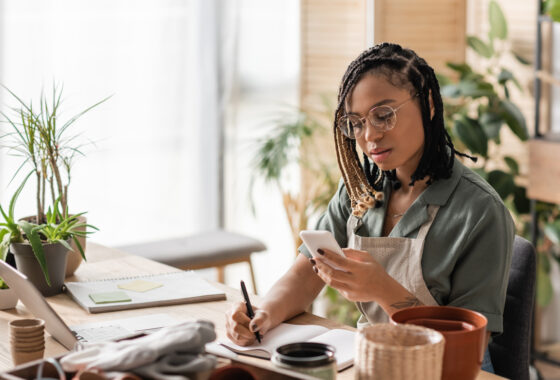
point(153, 171)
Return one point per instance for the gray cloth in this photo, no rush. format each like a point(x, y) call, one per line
point(156, 353)
point(467, 252)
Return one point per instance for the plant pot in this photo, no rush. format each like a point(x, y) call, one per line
point(55, 255)
point(8, 299)
point(74, 258)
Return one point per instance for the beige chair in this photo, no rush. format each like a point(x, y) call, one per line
point(204, 250)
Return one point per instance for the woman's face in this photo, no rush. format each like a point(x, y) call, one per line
point(401, 147)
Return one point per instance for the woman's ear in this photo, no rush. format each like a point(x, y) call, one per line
point(432, 108)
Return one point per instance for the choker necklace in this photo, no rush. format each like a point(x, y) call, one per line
point(397, 215)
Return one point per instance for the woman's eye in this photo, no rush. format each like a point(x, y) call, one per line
point(382, 116)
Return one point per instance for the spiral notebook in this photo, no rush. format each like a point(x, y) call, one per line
point(142, 291)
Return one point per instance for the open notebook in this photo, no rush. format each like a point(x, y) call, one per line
point(163, 289)
point(341, 340)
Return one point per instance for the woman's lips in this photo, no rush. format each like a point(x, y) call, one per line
point(379, 155)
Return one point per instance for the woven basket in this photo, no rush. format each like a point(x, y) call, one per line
point(398, 352)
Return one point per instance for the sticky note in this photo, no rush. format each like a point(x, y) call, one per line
point(139, 285)
point(109, 297)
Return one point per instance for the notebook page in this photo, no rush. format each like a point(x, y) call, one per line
point(282, 334)
point(343, 341)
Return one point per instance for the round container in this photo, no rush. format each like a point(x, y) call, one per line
point(314, 359)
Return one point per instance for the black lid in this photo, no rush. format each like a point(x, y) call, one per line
point(305, 354)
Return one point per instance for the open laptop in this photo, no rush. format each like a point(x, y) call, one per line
point(91, 332)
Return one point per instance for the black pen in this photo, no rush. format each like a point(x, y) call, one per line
point(250, 311)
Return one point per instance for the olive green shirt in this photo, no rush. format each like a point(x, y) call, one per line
point(468, 249)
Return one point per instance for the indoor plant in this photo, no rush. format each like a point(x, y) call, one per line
point(45, 146)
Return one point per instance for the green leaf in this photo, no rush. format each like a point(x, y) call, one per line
point(514, 119)
point(504, 76)
point(502, 182)
point(552, 232)
point(450, 91)
point(461, 68)
point(34, 239)
point(521, 59)
point(498, 23)
point(476, 88)
point(520, 200)
point(491, 123)
point(512, 164)
point(544, 283)
point(553, 9)
point(480, 47)
point(471, 134)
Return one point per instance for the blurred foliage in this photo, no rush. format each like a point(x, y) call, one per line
point(477, 106)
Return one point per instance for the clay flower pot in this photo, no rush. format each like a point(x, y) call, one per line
point(464, 331)
point(55, 255)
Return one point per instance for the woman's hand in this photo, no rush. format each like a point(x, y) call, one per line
point(360, 278)
point(241, 329)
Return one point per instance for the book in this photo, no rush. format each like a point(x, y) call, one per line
point(165, 289)
point(341, 340)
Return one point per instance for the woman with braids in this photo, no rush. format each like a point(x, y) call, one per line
point(420, 227)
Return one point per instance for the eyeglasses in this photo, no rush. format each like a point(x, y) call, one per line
point(383, 118)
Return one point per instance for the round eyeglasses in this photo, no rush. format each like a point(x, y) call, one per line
point(382, 118)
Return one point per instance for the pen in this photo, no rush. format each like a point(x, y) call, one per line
point(250, 312)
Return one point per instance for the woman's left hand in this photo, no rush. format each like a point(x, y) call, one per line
point(358, 277)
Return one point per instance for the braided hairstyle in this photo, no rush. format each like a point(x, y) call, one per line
point(403, 69)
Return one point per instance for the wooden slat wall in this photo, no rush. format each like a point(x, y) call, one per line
point(435, 29)
point(332, 35)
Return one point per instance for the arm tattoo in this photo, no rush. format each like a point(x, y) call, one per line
point(407, 302)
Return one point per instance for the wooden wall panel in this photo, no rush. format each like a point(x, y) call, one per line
point(435, 29)
point(544, 176)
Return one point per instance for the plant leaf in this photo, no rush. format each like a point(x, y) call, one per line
point(552, 232)
point(514, 119)
point(544, 283)
point(520, 200)
point(502, 182)
point(480, 47)
point(471, 134)
point(498, 23)
point(512, 164)
point(37, 246)
point(491, 123)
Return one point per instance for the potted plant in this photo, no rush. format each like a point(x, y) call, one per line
point(44, 145)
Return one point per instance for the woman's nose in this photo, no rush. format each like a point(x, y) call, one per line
point(371, 133)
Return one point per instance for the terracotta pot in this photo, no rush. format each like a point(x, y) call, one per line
point(464, 331)
point(74, 258)
point(8, 299)
point(55, 255)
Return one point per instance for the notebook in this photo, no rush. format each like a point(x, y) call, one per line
point(143, 291)
point(341, 340)
point(91, 332)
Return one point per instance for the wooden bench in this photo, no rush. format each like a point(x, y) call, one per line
point(204, 250)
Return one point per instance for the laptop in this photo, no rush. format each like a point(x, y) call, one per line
point(91, 332)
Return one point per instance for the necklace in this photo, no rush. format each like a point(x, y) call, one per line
point(397, 215)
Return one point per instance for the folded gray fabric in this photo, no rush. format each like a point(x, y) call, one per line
point(176, 366)
point(185, 341)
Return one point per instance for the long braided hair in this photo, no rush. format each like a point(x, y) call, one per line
point(403, 68)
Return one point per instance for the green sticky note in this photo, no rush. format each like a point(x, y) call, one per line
point(109, 297)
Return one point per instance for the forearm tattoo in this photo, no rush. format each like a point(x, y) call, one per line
point(407, 302)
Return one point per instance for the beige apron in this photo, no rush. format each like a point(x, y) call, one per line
point(401, 258)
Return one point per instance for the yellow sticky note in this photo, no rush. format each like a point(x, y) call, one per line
point(139, 285)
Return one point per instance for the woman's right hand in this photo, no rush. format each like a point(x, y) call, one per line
point(241, 329)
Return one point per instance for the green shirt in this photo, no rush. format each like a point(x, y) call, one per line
point(468, 249)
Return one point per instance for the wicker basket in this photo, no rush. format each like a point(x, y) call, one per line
point(398, 352)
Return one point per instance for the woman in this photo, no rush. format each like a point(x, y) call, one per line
point(420, 227)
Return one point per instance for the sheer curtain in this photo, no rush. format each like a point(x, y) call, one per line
point(152, 171)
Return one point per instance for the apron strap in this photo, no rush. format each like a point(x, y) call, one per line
point(432, 212)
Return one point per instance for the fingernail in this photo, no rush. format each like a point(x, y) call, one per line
point(316, 270)
point(254, 328)
point(320, 251)
point(312, 261)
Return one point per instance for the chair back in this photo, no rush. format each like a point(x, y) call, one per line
point(510, 351)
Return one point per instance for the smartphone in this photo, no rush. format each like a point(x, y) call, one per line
point(314, 240)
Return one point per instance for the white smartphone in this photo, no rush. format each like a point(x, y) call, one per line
point(320, 239)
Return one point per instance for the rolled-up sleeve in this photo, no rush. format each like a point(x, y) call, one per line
point(334, 218)
point(480, 277)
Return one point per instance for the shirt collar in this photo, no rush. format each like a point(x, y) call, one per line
point(439, 191)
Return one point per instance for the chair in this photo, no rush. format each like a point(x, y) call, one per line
point(510, 351)
point(205, 250)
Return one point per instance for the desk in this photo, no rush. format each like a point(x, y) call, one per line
point(105, 262)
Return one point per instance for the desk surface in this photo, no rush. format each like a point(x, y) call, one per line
point(106, 262)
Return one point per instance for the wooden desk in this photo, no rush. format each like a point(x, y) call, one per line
point(105, 262)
